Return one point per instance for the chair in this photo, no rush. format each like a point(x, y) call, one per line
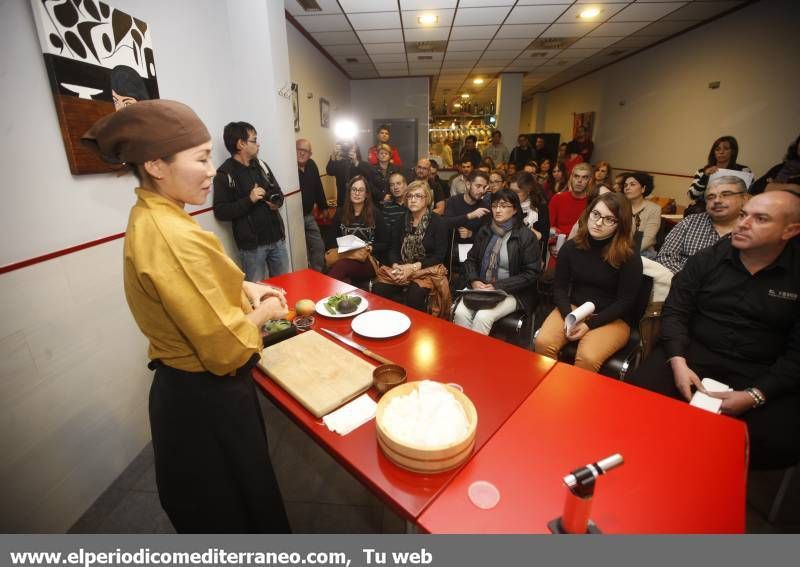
point(786, 481)
point(628, 357)
point(516, 328)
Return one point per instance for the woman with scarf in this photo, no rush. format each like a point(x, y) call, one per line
point(416, 256)
point(203, 323)
point(785, 175)
point(506, 256)
point(599, 265)
point(361, 218)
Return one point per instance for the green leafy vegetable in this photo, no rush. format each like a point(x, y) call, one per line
point(332, 305)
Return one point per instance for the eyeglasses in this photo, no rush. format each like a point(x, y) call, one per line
point(502, 205)
point(412, 196)
point(722, 195)
point(358, 190)
point(608, 221)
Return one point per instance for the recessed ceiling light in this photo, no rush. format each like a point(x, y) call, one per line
point(477, 81)
point(428, 19)
point(589, 13)
point(465, 95)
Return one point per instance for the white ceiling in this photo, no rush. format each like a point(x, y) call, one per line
point(482, 38)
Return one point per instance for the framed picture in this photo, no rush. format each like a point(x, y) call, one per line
point(324, 113)
point(98, 59)
point(296, 107)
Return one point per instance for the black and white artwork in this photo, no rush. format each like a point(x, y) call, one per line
point(97, 58)
point(324, 113)
point(296, 107)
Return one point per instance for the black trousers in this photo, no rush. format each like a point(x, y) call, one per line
point(774, 428)
point(213, 469)
point(412, 295)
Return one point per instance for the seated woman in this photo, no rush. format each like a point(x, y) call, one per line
point(646, 214)
point(358, 217)
point(785, 175)
point(505, 256)
point(545, 178)
point(603, 176)
point(600, 266)
point(533, 203)
point(723, 155)
point(416, 255)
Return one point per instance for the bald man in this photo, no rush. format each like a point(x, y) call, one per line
point(312, 193)
point(733, 314)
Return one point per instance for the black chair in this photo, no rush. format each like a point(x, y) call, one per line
point(516, 328)
point(627, 358)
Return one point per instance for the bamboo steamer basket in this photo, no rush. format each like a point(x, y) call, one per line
point(426, 459)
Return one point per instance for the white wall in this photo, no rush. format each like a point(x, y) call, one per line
point(73, 381)
point(670, 117)
point(316, 75)
point(391, 98)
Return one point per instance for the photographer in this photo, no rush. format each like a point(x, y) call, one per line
point(343, 165)
point(247, 194)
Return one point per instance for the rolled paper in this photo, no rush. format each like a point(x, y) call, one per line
point(578, 315)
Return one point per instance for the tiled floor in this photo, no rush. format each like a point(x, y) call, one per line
point(321, 497)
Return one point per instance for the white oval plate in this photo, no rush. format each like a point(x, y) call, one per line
point(322, 310)
point(381, 324)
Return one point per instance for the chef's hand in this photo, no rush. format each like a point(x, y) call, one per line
point(269, 308)
point(257, 293)
point(257, 193)
point(577, 332)
point(685, 377)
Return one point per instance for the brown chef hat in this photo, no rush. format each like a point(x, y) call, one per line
point(144, 131)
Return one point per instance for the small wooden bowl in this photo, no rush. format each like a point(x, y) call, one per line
point(387, 376)
point(426, 459)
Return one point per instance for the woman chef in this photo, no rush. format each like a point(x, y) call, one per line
point(202, 320)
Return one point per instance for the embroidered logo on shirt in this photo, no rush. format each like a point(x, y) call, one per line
point(788, 295)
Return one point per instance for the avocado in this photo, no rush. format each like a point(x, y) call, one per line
point(348, 304)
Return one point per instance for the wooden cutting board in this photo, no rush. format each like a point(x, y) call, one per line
point(317, 372)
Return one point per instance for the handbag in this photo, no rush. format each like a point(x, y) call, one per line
point(477, 300)
point(361, 255)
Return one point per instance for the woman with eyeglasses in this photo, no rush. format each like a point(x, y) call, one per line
point(598, 265)
point(358, 217)
point(416, 254)
point(506, 256)
point(533, 204)
point(646, 214)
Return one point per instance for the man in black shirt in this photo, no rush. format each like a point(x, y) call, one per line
point(395, 209)
point(247, 194)
point(465, 214)
point(313, 194)
point(470, 151)
point(523, 153)
point(733, 314)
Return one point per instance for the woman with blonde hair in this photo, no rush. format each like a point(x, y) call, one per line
point(600, 266)
point(603, 175)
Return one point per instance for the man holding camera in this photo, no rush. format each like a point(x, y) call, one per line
point(343, 165)
point(247, 194)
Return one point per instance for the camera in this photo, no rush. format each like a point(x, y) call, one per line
point(274, 198)
point(346, 146)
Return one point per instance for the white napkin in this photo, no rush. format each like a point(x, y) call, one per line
point(351, 415)
point(463, 250)
point(578, 315)
point(706, 402)
point(349, 242)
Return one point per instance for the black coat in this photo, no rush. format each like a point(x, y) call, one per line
point(435, 241)
point(524, 263)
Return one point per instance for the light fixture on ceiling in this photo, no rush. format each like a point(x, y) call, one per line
point(457, 105)
point(589, 13)
point(477, 81)
point(427, 19)
point(465, 95)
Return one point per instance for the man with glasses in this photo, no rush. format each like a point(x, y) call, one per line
point(313, 194)
point(733, 314)
point(247, 194)
point(725, 197)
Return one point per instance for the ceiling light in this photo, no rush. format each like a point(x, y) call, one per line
point(589, 13)
point(457, 105)
point(428, 19)
point(477, 81)
point(465, 95)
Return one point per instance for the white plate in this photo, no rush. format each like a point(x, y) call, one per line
point(320, 307)
point(381, 324)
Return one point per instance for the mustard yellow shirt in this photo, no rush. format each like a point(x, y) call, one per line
point(184, 291)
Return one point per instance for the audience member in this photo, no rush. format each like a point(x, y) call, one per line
point(560, 178)
point(447, 153)
point(522, 153)
point(505, 257)
point(247, 194)
point(497, 150)
point(540, 149)
point(646, 214)
point(458, 183)
point(377, 176)
point(785, 175)
point(395, 208)
point(487, 165)
point(384, 133)
point(562, 152)
point(619, 181)
point(725, 197)
point(531, 167)
point(497, 180)
point(545, 177)
point(511, 169)
point(343, 165)
point(312, 194)
point(582, 144)
point(600, 266)
point(733, 314)
point(467, 213)
point(470, 152)
point(416, 256)
point(440, 187)
point(566, 207)
point(723, 155)
point(533, 204)
point(422, 172)
point(358, 217)
point(603, 175)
